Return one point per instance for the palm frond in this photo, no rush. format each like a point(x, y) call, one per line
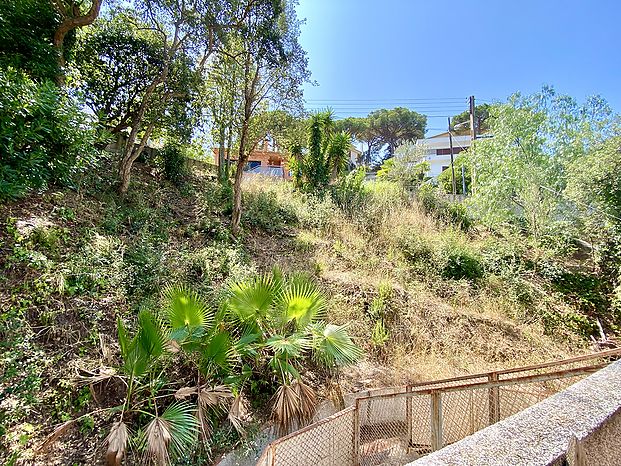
point(285, 409)
point(238, 414)
point(148, 343)
point(307, 401)
point(117, 443)
point(214, 397)
point(158, 437)
point(291, 346)
point(332, 345)
point(302, 302)
point(186, 311)
point(183, 427)
point(251, 300)
point(218, 354)
point(338, 152)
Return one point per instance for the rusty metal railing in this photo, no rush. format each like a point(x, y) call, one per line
point(397, 427)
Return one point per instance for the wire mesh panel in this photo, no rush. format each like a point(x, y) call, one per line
point(464, 412)
point(396, 428)
point(323, 444)
point(384, 431)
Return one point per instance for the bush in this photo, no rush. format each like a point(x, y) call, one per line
point(434, 203)
point(445, 179)
point(173, 163)
point(349, 192)
point(264, 211)
point(44, 136)
point(461, 263)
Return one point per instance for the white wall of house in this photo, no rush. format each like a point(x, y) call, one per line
point(437, 151)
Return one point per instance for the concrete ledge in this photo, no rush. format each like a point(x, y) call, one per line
point(589, 410)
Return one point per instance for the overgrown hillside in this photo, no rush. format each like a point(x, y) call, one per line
point(423, 293)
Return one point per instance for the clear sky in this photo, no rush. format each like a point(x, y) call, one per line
point(430, 55)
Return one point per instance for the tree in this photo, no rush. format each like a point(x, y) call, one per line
point(195, 28)
point(520, 172)
point(74, 14)
point(407, 167)
point(273, 67)
point(26, 30)
point(481, 118)
point(361, 130)
point(116, 61)
point(396, 126)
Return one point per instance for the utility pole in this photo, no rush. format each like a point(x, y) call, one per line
point(473, 136)
point(452, 164)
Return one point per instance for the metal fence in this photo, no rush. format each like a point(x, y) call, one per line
point(398, 427)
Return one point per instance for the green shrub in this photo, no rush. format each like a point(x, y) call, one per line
point(436, 204)
point(173, 163)
point(263, 210)
point(44, 136)
point(458, 261)
point(143, 266)
point(417, 250)
point(349, 192)
point(26, 31)
point(445, 179)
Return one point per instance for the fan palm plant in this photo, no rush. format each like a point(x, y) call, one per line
point(283, 320)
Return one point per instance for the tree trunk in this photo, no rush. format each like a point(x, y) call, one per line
point(128, 154)
point(222, 169)
point(130, 157)
point(68, 24)
point(237, 188)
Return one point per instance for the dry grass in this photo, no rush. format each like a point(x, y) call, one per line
point(437, 328)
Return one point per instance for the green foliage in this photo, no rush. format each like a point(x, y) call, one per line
point(173, 163)
point(523, 168)
point(407, 167)
point(26, 31)
point(115, 62)
point(396, 126)
point(460, 262)
point(481, 121)
point(264, 211)
point(349, 192)
point(439, 205)
point(44, 137)
point(445, 179)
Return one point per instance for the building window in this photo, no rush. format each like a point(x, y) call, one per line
point(444, 167)
point(456, 150)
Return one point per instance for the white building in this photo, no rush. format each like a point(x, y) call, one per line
point(437, 151)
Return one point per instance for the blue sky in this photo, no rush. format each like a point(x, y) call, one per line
point(431, 55)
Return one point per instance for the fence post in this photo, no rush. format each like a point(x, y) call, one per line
point(408, 414)
point(356, 434)
point(436, 421)
point(494, 399)
point(272, 455)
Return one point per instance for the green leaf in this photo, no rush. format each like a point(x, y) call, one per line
point(251, 300)
point(333, 346)
point(185, 309)
point(290, 346)
point(183, 427)
point(302, 302)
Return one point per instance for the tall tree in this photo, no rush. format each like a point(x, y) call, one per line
point(273, 67)
point(74, 14)
point(361, 130)
point(522, 170)
point(481, 118)
point(396, 126)
point(193, 27)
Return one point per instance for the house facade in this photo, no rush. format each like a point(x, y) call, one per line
point(437, 151)
point(266, 159)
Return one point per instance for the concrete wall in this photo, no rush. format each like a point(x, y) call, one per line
point(589, 410)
